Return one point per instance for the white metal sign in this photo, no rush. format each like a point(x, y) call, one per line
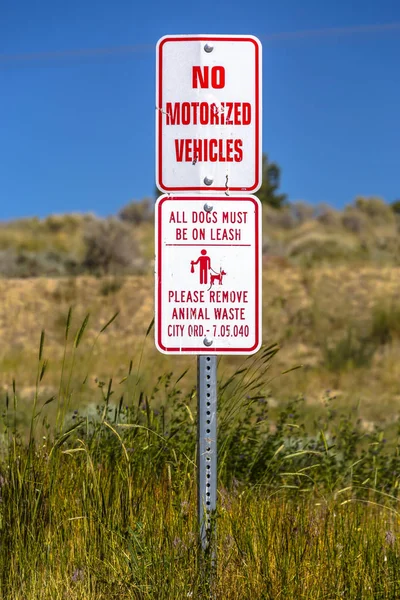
point(208, 113)
point(208, 284)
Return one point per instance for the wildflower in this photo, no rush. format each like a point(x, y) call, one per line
point(390, 538)
point(77, 575)
point(2, 483)
point(229, 541)
point(184, 507)
point(192, 537)
point(177, 542)
point(339, 548)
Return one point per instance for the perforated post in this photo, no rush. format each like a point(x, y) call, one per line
point(207, 447)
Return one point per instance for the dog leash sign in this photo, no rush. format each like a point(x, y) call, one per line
point(208, 285)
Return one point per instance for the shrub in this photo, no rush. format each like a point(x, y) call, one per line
point(351, 352)
point(111, 286)
point(138, 212)
point(35, 264)
point(375, 208)
point(273, 247)
point(279, 218)
point(318, 246)
point(110, 246)
point(395, 206)
point(302, 212)
point(385, 323)
point(70, 223)
point(353, 220)
point(327, 215)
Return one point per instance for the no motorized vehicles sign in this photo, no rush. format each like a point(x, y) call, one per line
point(208, 116)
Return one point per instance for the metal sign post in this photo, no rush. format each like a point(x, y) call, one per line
point(207, 448)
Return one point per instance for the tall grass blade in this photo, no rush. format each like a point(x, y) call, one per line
point(182, 375)
point(109, 322)
point(81, 331)
point(109, 392)
point(41, 345)
point(43, 370)
point(150, 327)
point(292, 369)
point(51, 399)
point(68, 323)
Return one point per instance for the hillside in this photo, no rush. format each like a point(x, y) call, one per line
point(98, 467)
point(331, 300)
point(340, 323)
point(365, 232)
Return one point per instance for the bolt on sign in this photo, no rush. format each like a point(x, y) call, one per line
point(208, 113)
point(208, 284)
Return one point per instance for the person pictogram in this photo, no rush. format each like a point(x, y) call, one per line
point(204, 263)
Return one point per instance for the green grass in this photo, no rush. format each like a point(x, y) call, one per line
point(84, 531)
point(100, 502)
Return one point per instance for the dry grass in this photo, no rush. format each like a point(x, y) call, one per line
point(305, 310)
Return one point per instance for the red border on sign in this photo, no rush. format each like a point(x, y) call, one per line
point(159, 283)
point(257, 182)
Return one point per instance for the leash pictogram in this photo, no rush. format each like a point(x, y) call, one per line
point(204, 262)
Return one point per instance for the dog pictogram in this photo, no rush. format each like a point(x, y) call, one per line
point(217, 277)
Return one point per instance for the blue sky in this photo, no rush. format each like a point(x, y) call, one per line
point(77, 129)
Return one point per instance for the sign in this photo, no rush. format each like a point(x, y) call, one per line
point(208, 280)
point(208, 113)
